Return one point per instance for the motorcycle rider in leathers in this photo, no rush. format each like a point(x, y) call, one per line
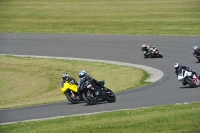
point(196, 52)
point(84, 77)
point(145, 49)
point(66, 77)
point(177, 67)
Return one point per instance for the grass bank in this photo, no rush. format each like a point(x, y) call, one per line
point(141, 17)
point(180, 118)
point(30, 81)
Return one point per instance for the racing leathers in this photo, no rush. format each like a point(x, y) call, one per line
point(196, 53)
point(69, 80)
point(145, 50)
point(90, 78)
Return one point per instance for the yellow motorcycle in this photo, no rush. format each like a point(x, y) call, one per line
point(70, 90)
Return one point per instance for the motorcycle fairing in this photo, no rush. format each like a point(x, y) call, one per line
point(196, 79)
point(67, 86)
point(182, 74)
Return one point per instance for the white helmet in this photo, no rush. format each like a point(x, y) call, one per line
point(144, 45)
point(195, 47)
point(176, 65)
point(64, 76)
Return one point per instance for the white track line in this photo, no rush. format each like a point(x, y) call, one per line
point(155, 74)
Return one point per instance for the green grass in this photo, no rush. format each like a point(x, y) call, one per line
point(182, 118)
point(24, 80)
point(141, 17)
point(31, 81)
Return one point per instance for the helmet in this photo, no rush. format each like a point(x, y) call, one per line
point(64, 76)
point(195, 47)
point(82, 74)
point(144, 45)
point(176, 66)
point(154, 46)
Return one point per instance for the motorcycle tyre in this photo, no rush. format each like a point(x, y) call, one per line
point(110, 98)
point(87, 100)
point(160, 56)
point(190, 83)
point(71, 99)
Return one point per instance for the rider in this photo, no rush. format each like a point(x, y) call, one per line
point(196, 52)
point(66, 77)
point(177, 67)
point(84, 77)
point(152, 49)
point(145, 49)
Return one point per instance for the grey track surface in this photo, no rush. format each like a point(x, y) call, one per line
point(120, 48)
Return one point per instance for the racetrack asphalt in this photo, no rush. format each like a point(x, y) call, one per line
point(117, 48)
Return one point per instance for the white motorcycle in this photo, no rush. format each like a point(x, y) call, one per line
point(189, 78)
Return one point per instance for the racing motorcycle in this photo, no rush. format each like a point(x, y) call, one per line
point(153, 53)
point(91, 96)
point(197, 56)
point(71, 91)
point(187, 77)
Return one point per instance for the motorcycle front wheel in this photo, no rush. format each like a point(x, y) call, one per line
point(72, 97)
point(89, 97)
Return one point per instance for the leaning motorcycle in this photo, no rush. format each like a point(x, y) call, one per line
point(187, 77)
point(91, 96)
point(71, 91)
point(197, 56)
point(153, 53)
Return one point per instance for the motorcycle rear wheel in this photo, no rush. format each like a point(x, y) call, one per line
point(160, 56)
point(73, 99)
point(110, 96)
point(191, 82)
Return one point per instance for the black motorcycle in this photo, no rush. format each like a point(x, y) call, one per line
point(92, 93)
point(153, 53)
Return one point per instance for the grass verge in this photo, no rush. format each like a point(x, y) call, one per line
point(179, 118)
point(31, 81)
point(138, 17)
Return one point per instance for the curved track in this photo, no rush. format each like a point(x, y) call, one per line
point(108, 47)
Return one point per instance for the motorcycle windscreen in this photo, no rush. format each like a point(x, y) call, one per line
point(180, 74)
